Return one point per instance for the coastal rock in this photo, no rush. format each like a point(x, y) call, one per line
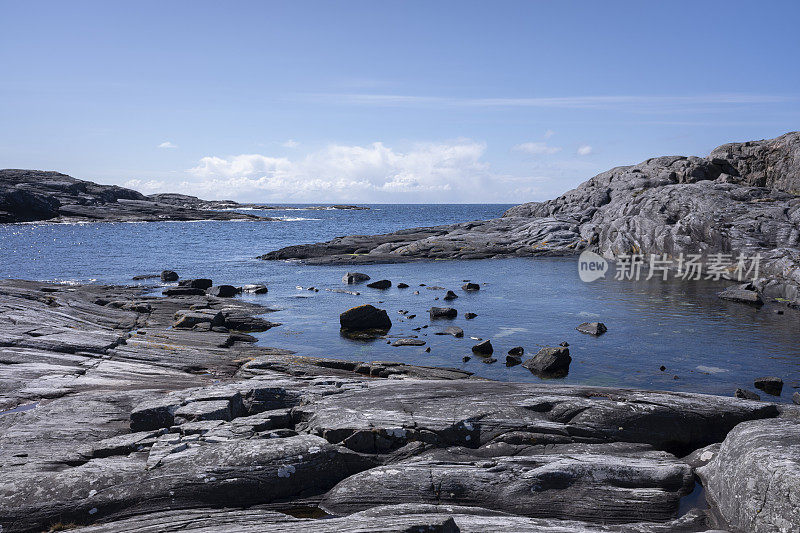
point(442, 312)
point(408, 342)
point(517, 351)
point(483, 348)
point(380, 284)
point(752, 482)
point(199, 283)
point(190, 319)
point(365, 317)
point(168, 275)
point(223, 291)
point(796, 398)
point(592, 328)
point(255, 288)
point(402, 285)
point(746, 394)
point(183, 291)
point(471, 287)
point(450, 296)
point(354, 277)
point(455, 331)
point(550, 361)
point(745, 296)
point(470, 316)
point(770, 384)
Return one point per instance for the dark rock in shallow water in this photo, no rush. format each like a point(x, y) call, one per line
point(199, 283)
point(746, 394)
point(255, 288)
point(592, 328)
point(223, 291)
point(354, 277)
point(450, 295)
point(483, 348)
point(471, 287)
point(168, 275)
point(550, 362)
point(796, 398)
point(409, 342)
point(183, 291)
point(365, 317)
point(745, 296)
point(247, 323)
point(381, 284)
point(516, 350)
point(513, 360)
point(402, 285)
point(771, 385)
point(752, 481)
point(442, 312)
point(189, 319)
point(455, 331)
point(470, 316)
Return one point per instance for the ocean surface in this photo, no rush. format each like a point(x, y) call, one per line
point(705, 344)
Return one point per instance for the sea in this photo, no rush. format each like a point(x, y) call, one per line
point(664, 335)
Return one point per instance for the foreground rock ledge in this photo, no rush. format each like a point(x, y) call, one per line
point(113, 420)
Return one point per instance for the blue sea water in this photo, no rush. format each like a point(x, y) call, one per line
point(706, 344)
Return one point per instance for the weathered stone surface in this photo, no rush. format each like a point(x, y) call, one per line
point(189, 319)
point(746, 394)
point(365, 317)
point(753, 481)
point(770, 384)
point(483, 348)
point(592, 328)
point(550, 361)
point(744, 296)
point(31, 195)
point(455, 331)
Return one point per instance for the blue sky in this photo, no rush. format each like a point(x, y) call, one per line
point(386, 101)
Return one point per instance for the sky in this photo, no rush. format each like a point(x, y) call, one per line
point(386, 102)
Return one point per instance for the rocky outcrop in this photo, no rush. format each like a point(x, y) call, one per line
point(112, 419)
point(742, 199)
point(36, 195)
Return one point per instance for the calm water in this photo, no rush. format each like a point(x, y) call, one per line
point(708, 344)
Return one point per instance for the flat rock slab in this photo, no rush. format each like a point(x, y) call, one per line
point(754, 479)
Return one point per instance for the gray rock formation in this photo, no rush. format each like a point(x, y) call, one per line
point(112, 419)
point(34, 195)
point(742, 199)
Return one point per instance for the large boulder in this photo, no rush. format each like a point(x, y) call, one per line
point(754, 480)
point(380, 284)
point(168, 275)
point(365, 317)
point(550, 361)
point(354, 277)
point(442, 312)
point(199, 283)
point(223, 291)
point(483, 348)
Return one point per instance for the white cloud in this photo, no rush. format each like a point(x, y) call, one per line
point(548, 134)
point(167, 144)
point(291, 143)
point(537, 148)
point(584, 149)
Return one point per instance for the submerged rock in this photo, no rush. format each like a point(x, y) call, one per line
point(455, 331)
point(365, 317)
point(592, 328)
point(381, 284)
point(470, 316)
point(408, 342)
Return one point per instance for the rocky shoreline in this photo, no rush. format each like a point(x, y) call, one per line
point(124, 411)
point(744, 198)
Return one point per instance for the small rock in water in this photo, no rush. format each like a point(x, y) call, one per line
point(770, 384)
point(442, 312)
point(354, 277)
point(489, 360)
point(779, 311)
point(199, 283)
point(592, 328)
point(255, 288)
point(466, 358)
point(565, 343)
point(455, 331)
point(483, 348)
point(168, 275)
point(416, 292)
point(513, 359)
point(365, 317)
point(550, 362)
point(411, 316)
point(408, 342)
point(470, 316)
point(662, 368)
point(381, 284)
point(746, 394)
point(223, 291)
point(516, 350)
point(796, 398)
point(428, 349)
point(402, 285)
point(471, 287)
point(450, 295)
